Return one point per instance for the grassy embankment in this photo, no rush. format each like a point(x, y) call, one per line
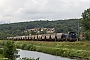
point(64, 49)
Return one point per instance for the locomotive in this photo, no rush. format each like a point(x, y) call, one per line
point(71, 36)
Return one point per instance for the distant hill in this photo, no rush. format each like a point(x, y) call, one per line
point(15, 29)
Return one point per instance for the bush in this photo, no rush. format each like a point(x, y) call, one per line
point(1, 51)
point(18, 46)
point(23, 46)
point(87, 35)
point(33, 48)
point(2, 43)
point(28, 47)
point(9, 50)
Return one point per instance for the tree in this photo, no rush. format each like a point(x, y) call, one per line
point(9, 50)
point(86, 19)
point(33, 32)
point(86, 23)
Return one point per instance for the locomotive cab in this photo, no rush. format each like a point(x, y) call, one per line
point(72, 36)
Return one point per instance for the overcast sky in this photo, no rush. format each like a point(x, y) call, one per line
point(28, 10)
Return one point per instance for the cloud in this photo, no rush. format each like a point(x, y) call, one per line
point(27, 10)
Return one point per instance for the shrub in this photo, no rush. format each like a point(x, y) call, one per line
point(28, 47)
point(33, 48)
point(9, 50)
point(19, 46)
point(87, 35)
point(23, 46)
point(1, 51)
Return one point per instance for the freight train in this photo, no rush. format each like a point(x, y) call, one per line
point(71, 36)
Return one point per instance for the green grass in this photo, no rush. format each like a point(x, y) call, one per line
point(65, 49)
point(1, 57)
point(69, 45)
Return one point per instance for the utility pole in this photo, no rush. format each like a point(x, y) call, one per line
point(78, 29)
point(25, 33)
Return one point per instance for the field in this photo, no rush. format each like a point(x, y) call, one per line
point(85, 46)
point(64, 49)
point(78, 49)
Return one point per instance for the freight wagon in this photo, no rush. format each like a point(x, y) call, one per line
point(71, 36)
